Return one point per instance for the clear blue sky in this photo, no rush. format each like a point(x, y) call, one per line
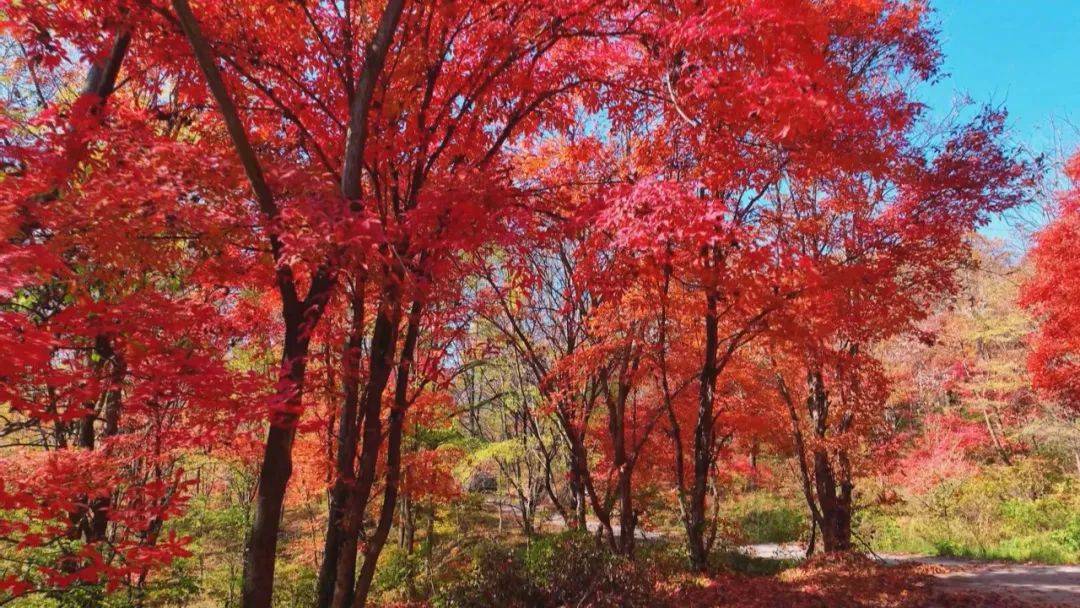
point(1023, 54)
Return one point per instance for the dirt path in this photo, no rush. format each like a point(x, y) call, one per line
point(1052, 585)
point(1055, 585)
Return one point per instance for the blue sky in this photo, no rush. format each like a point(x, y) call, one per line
point(1023, 54)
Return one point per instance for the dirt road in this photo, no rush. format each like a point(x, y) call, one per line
point(1059, 585)
point(1056, 585)
point(1053, 585)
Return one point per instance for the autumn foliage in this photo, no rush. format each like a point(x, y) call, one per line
point(621, 243)
point(1053, 295)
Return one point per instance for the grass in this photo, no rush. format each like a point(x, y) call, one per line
point(1004, 513)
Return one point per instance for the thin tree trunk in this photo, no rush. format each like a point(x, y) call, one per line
point(381, 354)
point(408, 524)
point(627, 515)
point(577, 490)
point(703, 440)
point(346, 450)
point(300, 318)
point(621, 460)
point(99, 508)
point(804, 471)
point(751, 483)
point(994, 437)
point(260, 553)
point(374, 546)
point(100, 82)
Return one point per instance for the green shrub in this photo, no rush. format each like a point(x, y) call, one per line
point(294, 585)
point(947, 547)
point(496, 578)
point(664, 557)
point(397, 572)
point(565, 569)
point(1027, 511)
point(573, 569)
point(740, 563)
point(781, 525)
point(763, 518)
point(1070, 536)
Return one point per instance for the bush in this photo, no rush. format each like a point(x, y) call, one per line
point(1023, 512)
point(394, 570)
point(780, 525)
point(294, 585)
point(740, 563)
point(496, 578)
point(1070, 536)
point(663, 557)
point(565, 569)
point(762, 518)
point(573, 569)
point(397, 573)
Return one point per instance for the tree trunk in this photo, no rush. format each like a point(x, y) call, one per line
point(99, 508)
point(382, 353)
point(835, 510)
point(627, 515)
point(804, 470)
point(300, 317)
point(836, 531)
point(621, 460)
point(262, 545)
point(346, 450)
point(407, 541)
point(577, 493)
point(833, 487)
point(703, 442)
point(751, 482)
point(260, 553)
point(374, 546)
point(994, 437)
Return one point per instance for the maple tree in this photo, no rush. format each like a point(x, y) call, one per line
point(115, 365)
point(881, 268)
point(728, 214)
point(1050, 294)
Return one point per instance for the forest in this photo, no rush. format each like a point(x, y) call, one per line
point(525, 304)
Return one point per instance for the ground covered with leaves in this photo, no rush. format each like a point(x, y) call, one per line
point(570, 570)
point(850, 581)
